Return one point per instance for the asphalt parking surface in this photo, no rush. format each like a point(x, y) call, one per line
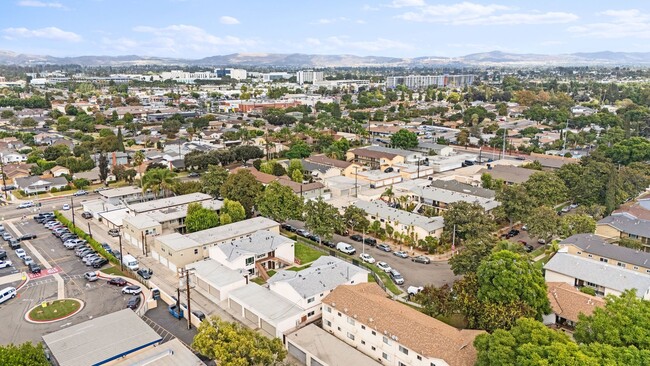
point(167, 326)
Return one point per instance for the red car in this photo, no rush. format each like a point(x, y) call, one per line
point(117, 281)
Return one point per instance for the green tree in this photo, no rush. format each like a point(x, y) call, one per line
point(81, 183)
point(200, 218)
point(233, 209)
point(576, 224)
point(436, 301)
point(468, 219)
point(470, 257)
point(630, 150)
point(546, 188)
point(213, 179)
point(52, 153)
point(356, 218)
point(298, 150)
point(543, 223)
point(506, 278)
point(181, 188)
point(243, 187)
point(26, 354)
point(322, 219)
point(120, 140)
point(232, 344)
point(103, 165)
point(404, 139)
point(297, 176)
point(138, 159)
point(279, 203)
point(623, 322)
point(159, 180)
point(294, 164)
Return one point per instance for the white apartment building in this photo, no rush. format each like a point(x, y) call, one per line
point(423, 81)
point(237, 74)
point(308, 76)
point(188, 77)
point(393, 333)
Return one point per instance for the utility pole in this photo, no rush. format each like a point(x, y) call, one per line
point(356, 177)
point(121, 254)
point(504, 144)
point(4, 182)
point(184, 272)
point(90, 232)
point(72, 208)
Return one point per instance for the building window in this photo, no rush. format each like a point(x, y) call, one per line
point(385, 356)
point(328, 323)
point(196, 251)
point(400, 363)
point(309, 300)
point(363, 342)
point(621, 264)
point(604, 260)
point(363, 327)
point(387, 341)
point(374, 333)
point(339, 328)
point(328, 309)
point(635, 267)
point(579, 253)
point(373, 348)
point(590, 256)
point(419, 358)
point(250, 261)
point(350, 321)
point(403, 350)
point(339, 314)
point(351, 336)
point(311, 313)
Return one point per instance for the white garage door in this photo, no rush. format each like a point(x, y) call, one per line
point(172, 266)
point(155, 255)
point(297, 353)
point(251, 316)
point(268, 328)
point(235, 306)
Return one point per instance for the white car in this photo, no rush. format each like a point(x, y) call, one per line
point(5, 264)
point(26, 204)
point(367, 258)
point(66, 207)
point(21, 253)
point(132, 290)
point(91, 276)
point(384, 266)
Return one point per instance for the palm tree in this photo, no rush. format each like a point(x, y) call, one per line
point(389, 194)
point(158, 180)
point(138, 159)
point(553, 248)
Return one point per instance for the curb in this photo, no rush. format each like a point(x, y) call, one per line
point(28, 319)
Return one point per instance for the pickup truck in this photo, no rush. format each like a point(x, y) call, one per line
point(175, 312)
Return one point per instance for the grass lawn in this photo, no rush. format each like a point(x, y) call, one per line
point(259, 281)
point(298, 269)
point(371, 278)
point(540, 263)
point(113, 271)
point(306, 254)
point(55, 310)
point(271, 273)
point(537, 252)
point(455, 320)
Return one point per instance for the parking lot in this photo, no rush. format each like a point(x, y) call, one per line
point(99, 297)
point(436, 273)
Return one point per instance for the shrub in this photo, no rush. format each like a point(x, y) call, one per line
point(588, 291)
point(54, 190)
point(83, 235)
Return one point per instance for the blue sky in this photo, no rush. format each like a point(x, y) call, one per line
point(400, 28)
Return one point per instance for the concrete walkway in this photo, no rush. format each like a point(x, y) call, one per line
point(59, 280)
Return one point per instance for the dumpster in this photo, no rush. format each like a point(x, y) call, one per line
point(155, 294)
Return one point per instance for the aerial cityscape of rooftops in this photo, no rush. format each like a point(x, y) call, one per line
point(399, 183)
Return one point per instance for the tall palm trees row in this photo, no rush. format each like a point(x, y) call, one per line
point(159, 181)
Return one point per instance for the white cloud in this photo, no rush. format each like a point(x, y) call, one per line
point(345, 44)
point(228, 20)
point(331, 20)
point(39, 4)
point(367, 7)
point(631, 23)
point(46, 33)
point(406, 3)
point(180, 38)
point(120, 44)
point(467, 13)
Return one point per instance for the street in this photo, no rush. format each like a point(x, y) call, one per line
point(12, 211)
point(436, 273)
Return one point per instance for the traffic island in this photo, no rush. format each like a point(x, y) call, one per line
point(53, 311)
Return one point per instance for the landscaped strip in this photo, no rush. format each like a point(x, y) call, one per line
point(55, 310)
point(83, 235)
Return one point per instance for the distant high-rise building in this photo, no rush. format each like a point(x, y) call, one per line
point(237, 74)
point(308, 76)
point(423, 81)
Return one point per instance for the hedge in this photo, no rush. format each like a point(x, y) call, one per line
point(83, 235)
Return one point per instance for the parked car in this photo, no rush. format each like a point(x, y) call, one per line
point(145, 273)
point(194, 175)
point(414, 290)
point(132, 290)
point(401, 254)
point(199, 315)
point(3, 254)
point(80, 192)
point(328, 243)
point(21, 253)
point(384, 247)
point(91, 276)
point(26, 237)
point(14, 244)
point(541, 241)
point(86, 215)
point(65, 207)
point(68, 236)
point(528, 248)
point(288, 227)
point(302, 232)
point(27, 260)
point(114, 232)
point(134, 302)
point(117, 281)
point(314, 238)
point(34, 268)
point(5, 264)
point(421, 259)
point(345, 248)
point(367, 258)
point(356, 237)
point(396, 277)
point(370, 241)
point(2, 228)
point(26, 204)
point(99, 263)
point(6, 236)
point(384, 266)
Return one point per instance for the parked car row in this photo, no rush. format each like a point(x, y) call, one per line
point(71, 241)
point(134, 301)
point(20, 253)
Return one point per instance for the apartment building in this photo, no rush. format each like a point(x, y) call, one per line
point(237, 74)
point(403, 222)
point(393, 333)
point(595, 247)
point(308, 76)
point(439, 199)
point(424, 81)
point(625, 225)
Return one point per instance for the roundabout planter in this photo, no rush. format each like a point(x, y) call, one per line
point(53, 311)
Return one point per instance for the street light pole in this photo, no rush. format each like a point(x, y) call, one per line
point(72, 208)
point(121, 254)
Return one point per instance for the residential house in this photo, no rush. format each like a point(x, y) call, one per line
point(13, 171)
point(93, 176)
point(403, 222)
point(379, 178)
point(568, 303)
point(595, 247)
point(36, 184)
point(432, 148)
point(122, 194)
point(625, 225)
point(413, 171)
point(306, 288)
point(378, 157)
point(394, 333)
point(214, 280)
point(347, 168)
point(308, 191)
point(58, 171)
point(256, 253)
point(456, 186)
point(439, 199)
point(604, 278)
point(508, 173)
point(11, 157)
point(319, 171)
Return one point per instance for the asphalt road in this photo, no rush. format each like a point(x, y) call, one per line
point(12, 211)
point(99, 297)
point(415, 274)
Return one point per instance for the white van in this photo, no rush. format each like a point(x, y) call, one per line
point(7, 293)
point(345, 248)
point(130, 262)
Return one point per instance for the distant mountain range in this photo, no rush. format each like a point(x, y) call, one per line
point(493, 58)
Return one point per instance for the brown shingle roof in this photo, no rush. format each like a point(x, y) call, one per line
point(568, 302)
point(421, 333)
point(322, 159)
point(259, 176)
point(374, 154)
